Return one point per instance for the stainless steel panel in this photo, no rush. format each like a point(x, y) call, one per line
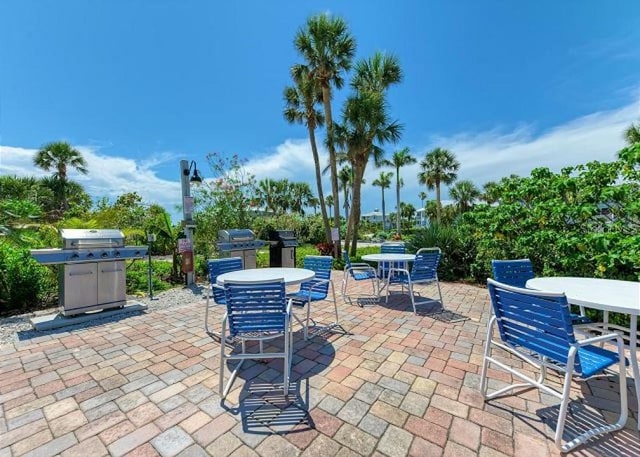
point(112, 282)
point(78, 286)
point(288, 257)
point(250, 259)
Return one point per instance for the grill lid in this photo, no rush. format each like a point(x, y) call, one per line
point(232, 235)
point(281, 235)
point(84, 238)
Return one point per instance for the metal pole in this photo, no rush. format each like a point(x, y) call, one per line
point(187, 219)
point(150, 238)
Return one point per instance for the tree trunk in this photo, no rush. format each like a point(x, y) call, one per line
point(438, 203)
point(398, 200)
point(316, 161)
point(384, 213)
point(326, 98)
point(355, 208)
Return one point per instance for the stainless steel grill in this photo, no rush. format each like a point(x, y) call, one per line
point(93, 272)
point(282, 249)
point(239, 243)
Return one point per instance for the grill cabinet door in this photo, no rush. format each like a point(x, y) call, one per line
point(249, 258)
point(112, 283)
point(78, 286)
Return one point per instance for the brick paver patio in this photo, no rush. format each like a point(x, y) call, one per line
point(397, 384)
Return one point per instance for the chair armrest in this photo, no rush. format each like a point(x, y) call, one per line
point(289, 305)
point(216, 286)
point(401, 270)
point(359, 266)
point(599, 338)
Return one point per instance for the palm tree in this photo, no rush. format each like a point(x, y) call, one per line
point(632, 134)
point(301, 101)
point(384, 182)
point(328, 48)
point(464, 193)
point(301, 196)
point(490, 192)
point(422, 196)
point(59, 156)
point(438, 167)
point(366, 125)
point(345, 184)
point(329, 201)
point(267, 194)
point(400, 159)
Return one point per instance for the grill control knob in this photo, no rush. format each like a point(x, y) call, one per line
point(75, 256)
point(104, 255)
point(117, 254)
point(90, 255)
point(137, 254)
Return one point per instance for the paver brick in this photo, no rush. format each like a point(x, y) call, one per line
point(53, 447)
point(134, 439)
point(92, 447)
point(30, 442)
point(356, 439)
point(389, 413)
point(116, 432)
point(218, 426)
point(171, 442)
point(395, 442)
point(67, 423)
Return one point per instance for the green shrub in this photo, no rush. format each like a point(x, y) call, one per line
point(138, 277)
point(24, 283)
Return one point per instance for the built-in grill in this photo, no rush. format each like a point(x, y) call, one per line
point(239, 243)
point(93, 272)
point(282, 248)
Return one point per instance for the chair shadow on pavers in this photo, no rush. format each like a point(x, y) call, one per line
point(429, 307)
point(263, 408)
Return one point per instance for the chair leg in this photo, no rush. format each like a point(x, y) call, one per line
point(485, 360)
point(413, 301)
point(562, 414)
point(222, 356)
point(335, 303)
point(287, 356)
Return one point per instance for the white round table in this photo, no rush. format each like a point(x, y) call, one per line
point(388, 257)
point(257, 275)
point(603, 294)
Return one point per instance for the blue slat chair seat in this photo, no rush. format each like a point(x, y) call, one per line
point(315, 289)
point(536, 327)
point(256, 312)
point(216, 267)
point(359, 272)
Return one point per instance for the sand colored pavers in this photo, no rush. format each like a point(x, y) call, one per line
point(396, 385)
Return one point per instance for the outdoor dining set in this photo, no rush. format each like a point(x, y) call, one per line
point(531, 319)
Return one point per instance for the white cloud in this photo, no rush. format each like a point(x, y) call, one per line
point(108, 176)
point(484, 156)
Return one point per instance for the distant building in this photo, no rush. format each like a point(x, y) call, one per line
point(374, 217)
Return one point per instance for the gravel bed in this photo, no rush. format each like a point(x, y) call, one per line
point(18, 328)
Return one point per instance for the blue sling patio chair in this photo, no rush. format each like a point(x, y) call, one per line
point(517, 272)
point(423, 271)
point(217, 267)
point(391, 247)
point(359, 271)
point(316, 289)
point(256, 312)
point(536, 327)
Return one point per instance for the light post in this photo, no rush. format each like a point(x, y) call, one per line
point(187, 211)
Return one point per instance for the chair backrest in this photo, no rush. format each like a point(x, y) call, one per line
point(257, 307)
point(347, 261)
point(425, 265)
point(321, 265)
point(220, 266)
point(393, 248)
point(512, 272)
point(537, 321)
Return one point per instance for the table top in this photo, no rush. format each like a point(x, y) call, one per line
point(388, 257)
point(604, 294)
point(258, 275)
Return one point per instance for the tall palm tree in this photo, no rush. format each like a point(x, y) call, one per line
point(632, 134)
point(59, 156)
point(267, 194)
point(329, 201)
point(328, 49)
point(345, 184)
point(384, 182)
point(301, 196)
point(300, 107)
point(464, 193)
point(422, 196)
point(438, 167)
point(399, 159)
point(366, 125)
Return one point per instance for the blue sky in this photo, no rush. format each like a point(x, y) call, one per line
point(139, 85)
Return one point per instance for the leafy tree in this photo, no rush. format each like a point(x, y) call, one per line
point(439, 166)
point(489, 193)
point(408, 212)
point(399, 159)
point(59, 156)
point(464, 193)
point(632, 134)
point(267, 194)
point(301, 196)
point(384, 182)
point(328, 48)
point(366, 125)
point(301, 100)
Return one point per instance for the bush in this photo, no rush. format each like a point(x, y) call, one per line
point(24, 283)
point(457, 251)
point(138, 277)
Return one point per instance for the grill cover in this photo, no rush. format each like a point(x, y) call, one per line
point(283, 238)
point(235, 235)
